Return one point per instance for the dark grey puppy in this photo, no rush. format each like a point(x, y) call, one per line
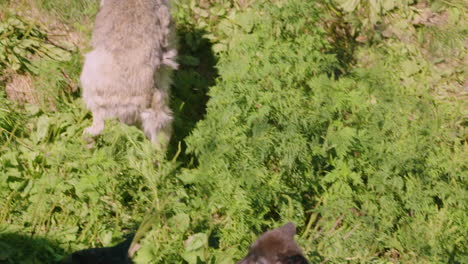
point(118, 254)
point(127, 75)
point(276, 246)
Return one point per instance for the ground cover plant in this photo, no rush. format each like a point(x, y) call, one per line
point(344, 117)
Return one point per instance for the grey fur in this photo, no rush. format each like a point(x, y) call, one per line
point(127, 75)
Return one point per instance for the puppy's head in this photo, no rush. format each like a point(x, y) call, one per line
point(276, 246)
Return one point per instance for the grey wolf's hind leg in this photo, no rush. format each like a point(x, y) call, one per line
point(157, 126)
point(95, 129)
point(156, 121)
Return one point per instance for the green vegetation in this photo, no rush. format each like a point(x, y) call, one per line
point(345, 117)
point(22, 40)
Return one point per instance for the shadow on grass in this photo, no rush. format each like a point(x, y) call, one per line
point(191, 84)
point(19, 248)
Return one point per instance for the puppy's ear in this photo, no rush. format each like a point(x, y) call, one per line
point(296, 259)
point(289, 229)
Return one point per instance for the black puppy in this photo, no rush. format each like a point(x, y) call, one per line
point(109, 255)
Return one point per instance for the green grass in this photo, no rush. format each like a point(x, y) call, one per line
point(70, 11)
point(279, 118)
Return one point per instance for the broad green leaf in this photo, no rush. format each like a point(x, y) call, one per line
point(196, 241)
point(180, 222)
point(410, 67)
point(42, 131)
point(246, 21)
point(349, 5)
point(388, 5)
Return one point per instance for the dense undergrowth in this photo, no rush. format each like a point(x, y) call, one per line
point(346, 118)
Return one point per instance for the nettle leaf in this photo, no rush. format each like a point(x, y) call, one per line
point(106, 237)
point(12, 173)
point(15, 22)
point(341, 138)
point(193, 257)
point(28, 43)
point(25, 39)
point(246, 21)
point(31, 67)
point(144, 255)
point(218, 10)
point(219, 47)
point(226, 27)
point(349, 5)
point(201, 12)
point(42, 130)
point(19, 51)
point(27, 189)
point(56, 53)
point(15, 185)
point(14, 62)
point(180, 222)
point(388, 5)
point(410, 67)
point(196, 242)
point(195, 248)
